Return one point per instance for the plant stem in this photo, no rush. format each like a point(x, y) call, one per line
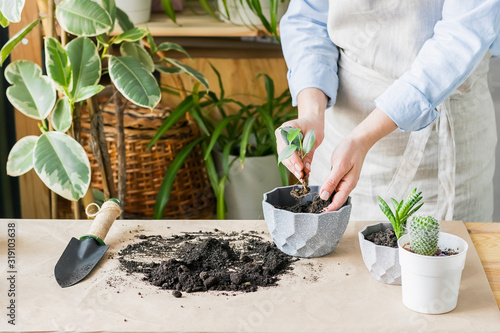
point(120, 147)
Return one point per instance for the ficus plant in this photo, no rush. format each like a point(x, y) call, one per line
point(295, 141)
point(74, 73)
point(402, 211)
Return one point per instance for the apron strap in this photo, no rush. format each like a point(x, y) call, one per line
point(412, 156)
point(447, 163)
point(409, 162)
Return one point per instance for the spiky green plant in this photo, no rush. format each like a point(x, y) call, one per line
point(424, 235)
point(402, 210)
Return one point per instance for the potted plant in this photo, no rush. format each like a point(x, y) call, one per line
point(231, 140)
point(74, 75)
point(295, 215)
point(431, 265)
point(137, 11)
point(378, 242)
point(242, 12)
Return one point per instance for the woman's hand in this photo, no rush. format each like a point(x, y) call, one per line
point(349, 155)
point(312, 104)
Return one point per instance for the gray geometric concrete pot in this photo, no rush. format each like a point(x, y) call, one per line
point(381, 261)
point(304, 235)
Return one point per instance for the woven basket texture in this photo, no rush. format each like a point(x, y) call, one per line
point(191, 197)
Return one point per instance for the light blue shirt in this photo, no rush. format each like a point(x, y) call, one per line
point(467, 30)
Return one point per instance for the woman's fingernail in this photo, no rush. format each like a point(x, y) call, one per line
point(324, 195)
point(298, 168)
point(297, 175)
point(308, 166)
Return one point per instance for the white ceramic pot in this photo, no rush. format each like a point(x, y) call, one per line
point(430, 284)
point(241, 14)
point(243, 192)
point(139, 11)
point(381, 261)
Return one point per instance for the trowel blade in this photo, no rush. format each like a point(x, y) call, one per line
point(78, 260)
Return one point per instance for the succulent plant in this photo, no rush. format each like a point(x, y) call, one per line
point(424, 235)
point(402, 210)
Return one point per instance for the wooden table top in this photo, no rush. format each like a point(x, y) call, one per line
point(486, 239)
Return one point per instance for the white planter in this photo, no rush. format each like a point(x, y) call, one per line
point(241, 14)
point(139, 11)
point(430, 284)
point(381, 261)
point(244, 190)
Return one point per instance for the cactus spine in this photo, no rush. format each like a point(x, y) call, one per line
point(424, 235)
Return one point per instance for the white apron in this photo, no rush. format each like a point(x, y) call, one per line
point(452, 161)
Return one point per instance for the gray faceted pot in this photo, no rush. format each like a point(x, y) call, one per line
point(381, 261)
point(303, 234)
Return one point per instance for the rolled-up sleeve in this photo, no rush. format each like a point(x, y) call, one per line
point(310, 55)
point(467, 30)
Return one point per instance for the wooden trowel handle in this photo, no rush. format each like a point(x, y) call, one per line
point(103, 221)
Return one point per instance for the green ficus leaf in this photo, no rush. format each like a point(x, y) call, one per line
point(134, 81)
point(309, 141)
point(87, 92)
point(31, 92)
point(110, 7)
point(123, 20)
point(131, 35)
point(62, 164)
point(153, 48)
point(286, 153)
point(83, 17)
point(61, 116)
point(12, 9)
point(189, 71)
point(136, 51)
point(85, 64)
point(167, 46)
point(168, 70)
point(11, 44)
point(57, 64)
point(20, 158)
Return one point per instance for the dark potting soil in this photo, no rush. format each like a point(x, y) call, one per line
point(316, 206)
point(385, 237)
point(206, 261)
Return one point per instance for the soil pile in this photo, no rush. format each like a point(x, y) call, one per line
point(316, 206)
point(206, 261)
point(385, 237)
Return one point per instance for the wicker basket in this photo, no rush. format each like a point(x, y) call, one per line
point(191, 197)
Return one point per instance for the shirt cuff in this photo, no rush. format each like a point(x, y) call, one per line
point(323, 78)
point(406, 106)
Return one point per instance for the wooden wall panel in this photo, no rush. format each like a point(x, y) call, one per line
point(239, 76)
point(34, 194)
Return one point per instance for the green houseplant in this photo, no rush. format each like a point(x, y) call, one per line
point(74, 73)
point(378, 242)
point(242, 12)
point(247, 132)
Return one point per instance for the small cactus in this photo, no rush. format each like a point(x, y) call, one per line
point(424, 235)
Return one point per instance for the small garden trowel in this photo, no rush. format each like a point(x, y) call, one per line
point(81, 255)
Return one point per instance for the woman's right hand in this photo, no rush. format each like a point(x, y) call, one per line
point(311, 104)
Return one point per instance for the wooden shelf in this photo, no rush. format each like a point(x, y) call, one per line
point(195, 25)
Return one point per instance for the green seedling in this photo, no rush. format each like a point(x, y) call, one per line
point(296, 142)
point(402, 210)
point(424, 235)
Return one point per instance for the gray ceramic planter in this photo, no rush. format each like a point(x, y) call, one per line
point(303, 234)
point(381, 261)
